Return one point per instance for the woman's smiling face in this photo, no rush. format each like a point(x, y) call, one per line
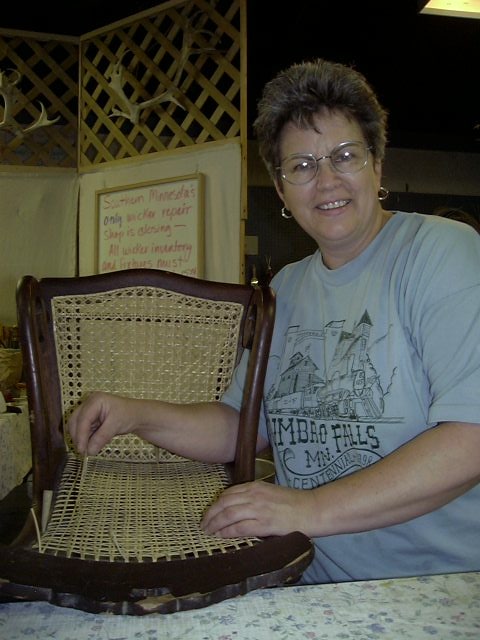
point(340, 211)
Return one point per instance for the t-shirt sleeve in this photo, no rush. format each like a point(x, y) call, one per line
point(233, 395)
point(446, 322)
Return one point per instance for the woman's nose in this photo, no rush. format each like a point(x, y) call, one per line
point(325, 172)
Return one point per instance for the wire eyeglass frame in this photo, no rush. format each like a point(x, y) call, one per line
point(310, 170)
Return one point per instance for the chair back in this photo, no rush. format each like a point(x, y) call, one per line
point(121, 532)
point(143, 334)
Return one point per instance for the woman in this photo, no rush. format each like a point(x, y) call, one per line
point(371, 403)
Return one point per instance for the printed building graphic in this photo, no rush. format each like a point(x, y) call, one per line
point(346, 386)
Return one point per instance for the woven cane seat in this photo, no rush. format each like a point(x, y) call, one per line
point(120, 531)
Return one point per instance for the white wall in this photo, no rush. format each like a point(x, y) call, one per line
point(220, 163)
point(39, 208)
point(38, 218)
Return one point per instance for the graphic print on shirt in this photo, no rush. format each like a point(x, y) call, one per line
point(322, 415)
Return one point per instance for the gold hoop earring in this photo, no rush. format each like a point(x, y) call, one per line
point(383, 193)
point(286, 213)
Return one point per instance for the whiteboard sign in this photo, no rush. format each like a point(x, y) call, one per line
point(152, 225)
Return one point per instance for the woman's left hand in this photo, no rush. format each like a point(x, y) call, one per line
point(257, 509)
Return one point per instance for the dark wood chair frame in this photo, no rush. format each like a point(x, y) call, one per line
point(129, 587)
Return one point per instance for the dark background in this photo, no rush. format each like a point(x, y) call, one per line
point(424, 68)
point(282, 241)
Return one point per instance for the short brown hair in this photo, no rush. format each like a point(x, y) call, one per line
point(301, 91)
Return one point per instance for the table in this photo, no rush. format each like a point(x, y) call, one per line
point(443, 607)
point(15, 448)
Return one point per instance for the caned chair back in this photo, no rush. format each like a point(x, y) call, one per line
point(136, 508)
point(144, 342)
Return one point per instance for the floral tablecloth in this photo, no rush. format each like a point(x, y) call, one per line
point(437, 607)
point(15, 450)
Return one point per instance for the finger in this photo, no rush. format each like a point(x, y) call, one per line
point(99, 437)
point(213, 515)
point(86, 428)
point(232, 508)
point(229, 521)
point(241, 529)
point(79, 438)
point(229, 497)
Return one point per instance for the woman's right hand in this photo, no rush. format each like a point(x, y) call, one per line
point(99, 418)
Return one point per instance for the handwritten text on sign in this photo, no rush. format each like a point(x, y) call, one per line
point(153, 226)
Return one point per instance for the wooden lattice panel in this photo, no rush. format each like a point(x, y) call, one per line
point(40, 71)
point(164, 80)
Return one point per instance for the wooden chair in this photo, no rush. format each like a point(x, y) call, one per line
point(119, 532)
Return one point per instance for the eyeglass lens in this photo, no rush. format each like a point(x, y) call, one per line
point(347, 157)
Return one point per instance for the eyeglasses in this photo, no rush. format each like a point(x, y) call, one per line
point(347, 157)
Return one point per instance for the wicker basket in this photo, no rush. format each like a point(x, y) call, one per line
point(10, 368)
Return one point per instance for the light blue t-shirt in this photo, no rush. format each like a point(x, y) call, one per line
point(363, 359)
